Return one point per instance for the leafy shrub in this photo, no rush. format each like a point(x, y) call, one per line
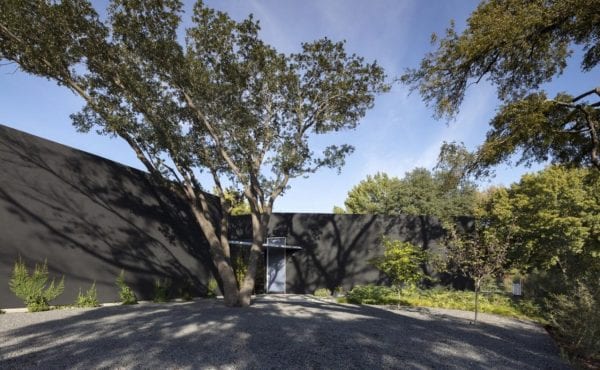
point(89, 299)
point(161, 290)
point(575, 317)
point(322, 292)
point(402, 262)
point(370, 294)
point(32, 289)
point(212, 288)
point(126, 294)
point(186, 290)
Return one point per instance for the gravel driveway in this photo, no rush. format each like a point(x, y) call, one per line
point(276, 332)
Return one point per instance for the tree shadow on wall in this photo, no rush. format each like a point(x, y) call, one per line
point(336, 249)
point(71, 200)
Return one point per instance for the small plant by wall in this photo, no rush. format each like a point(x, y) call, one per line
point(322, 292)
point(126, 294)
point(87, 299)
point(33, 289)
point(161, 290)
point(212, 288)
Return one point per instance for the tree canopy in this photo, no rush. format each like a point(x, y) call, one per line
point(551, 220)
point(445, 192)
point(518, 46)
point(224, 103)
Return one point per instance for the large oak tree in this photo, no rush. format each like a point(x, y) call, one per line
point(224, 102)
point(518, 45)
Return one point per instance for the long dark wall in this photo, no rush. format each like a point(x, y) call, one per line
point(337, 250)
point(89, 218)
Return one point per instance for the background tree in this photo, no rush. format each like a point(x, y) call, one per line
point(518, 46)
point(236, 204)
point(225, 103)
point(477, 254)
point(376, 194)
point(554, 219)
point(551, 220)
point(445, 192)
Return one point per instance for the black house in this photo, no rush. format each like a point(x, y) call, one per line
point(90, 218)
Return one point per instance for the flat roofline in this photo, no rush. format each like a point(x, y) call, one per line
point(266, 245)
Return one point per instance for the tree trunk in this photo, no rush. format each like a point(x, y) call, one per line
point(222, 263)
point(259, 226)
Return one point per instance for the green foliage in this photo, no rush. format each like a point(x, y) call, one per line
point(444, 193)
point(322, 292)
point(402, 262)
point(499, 304)
point(518, 46)
point(575, 317)
point(375, 195)
point(234, 202)
point(551, 220)
point(555, 216)
point(339, 210)
point(371, 294)
point(161, 290)
point(212, 290)
point(89, 299)
point(224, 103)
point(33, 289)
point(126, 294)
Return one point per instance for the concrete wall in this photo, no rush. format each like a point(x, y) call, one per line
point(337, 249)
point(89, 218)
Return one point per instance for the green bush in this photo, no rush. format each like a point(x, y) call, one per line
point(575, 317)
point(32, 289)
point(89, 299)
point(126, 294)
point(161, 290)
point(402, 262)
point(322, 292)
point(370, 294)
point(212, 288)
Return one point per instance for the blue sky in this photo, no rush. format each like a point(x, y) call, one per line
point(397, 135)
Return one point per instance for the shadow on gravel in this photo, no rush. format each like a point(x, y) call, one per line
point(273, 333)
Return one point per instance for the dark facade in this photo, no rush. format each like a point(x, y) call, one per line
point(337, 250)
point(90, 217)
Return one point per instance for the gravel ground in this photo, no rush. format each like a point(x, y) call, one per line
point(276, 332)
